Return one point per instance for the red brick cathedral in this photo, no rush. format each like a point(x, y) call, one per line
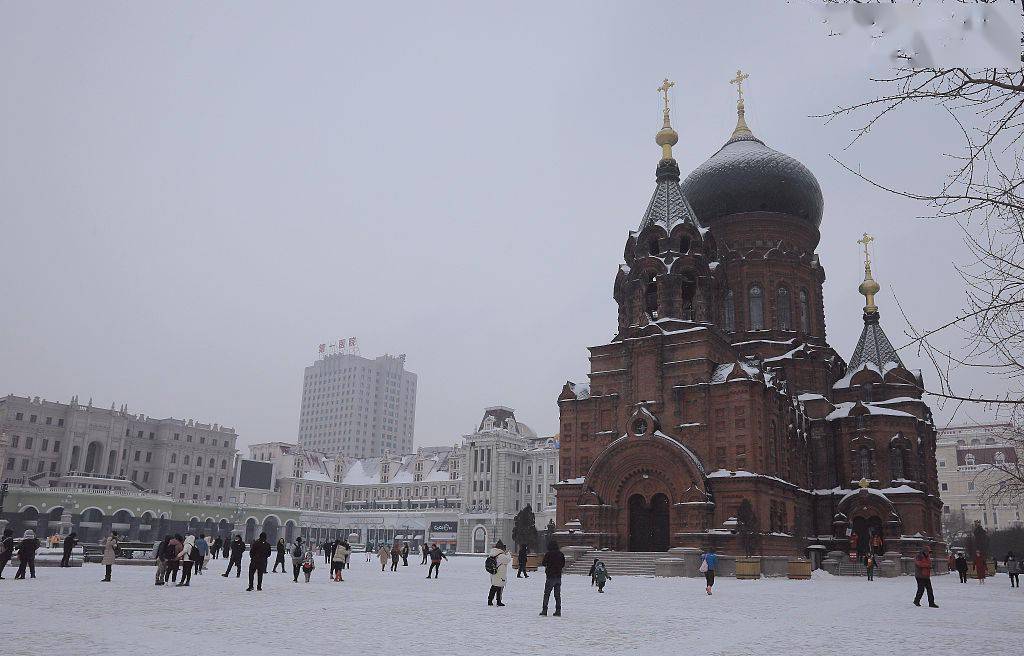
point(720, 385)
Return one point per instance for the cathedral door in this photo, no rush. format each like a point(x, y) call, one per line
point(648, 524)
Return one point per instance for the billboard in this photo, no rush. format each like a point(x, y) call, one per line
point(255, 474)
point(443, 529)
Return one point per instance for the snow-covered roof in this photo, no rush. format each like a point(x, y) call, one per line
point(843, 410)
point(317, 476)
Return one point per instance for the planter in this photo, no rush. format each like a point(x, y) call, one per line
point(748, 568)
point(799, 569)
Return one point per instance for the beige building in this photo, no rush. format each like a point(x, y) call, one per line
point(52, 444)
point(968, 459)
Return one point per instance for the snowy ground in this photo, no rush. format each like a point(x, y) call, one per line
point(70, 611)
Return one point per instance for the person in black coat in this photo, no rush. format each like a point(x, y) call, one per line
point(237, 549)
point(6, 549)
point(280, 556)
point(27, 554)
point(524, 551)
point(227, 548)
point(216, 547)
point(258, 555)
point(70, 542)
point(426, 553)
point(961, 567)
point(553, 563)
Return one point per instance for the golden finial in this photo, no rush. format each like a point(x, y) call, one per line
point(666, 137)
point(869, 287)
point(864, 483)
point(741, 124)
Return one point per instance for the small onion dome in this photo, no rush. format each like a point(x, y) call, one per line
point(869, 287)
point(666, 136)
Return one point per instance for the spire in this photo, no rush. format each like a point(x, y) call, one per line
point(874, 346)
point(666, 137)
point(741, 131)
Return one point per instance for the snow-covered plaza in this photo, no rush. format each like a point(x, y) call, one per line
point(70, 611)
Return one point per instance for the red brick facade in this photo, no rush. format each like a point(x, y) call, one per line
point(700, 402)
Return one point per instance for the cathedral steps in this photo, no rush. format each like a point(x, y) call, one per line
point(619, 563)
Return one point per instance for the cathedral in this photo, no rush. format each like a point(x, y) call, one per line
point(720, 386)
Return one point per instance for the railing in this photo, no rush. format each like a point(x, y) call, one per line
point(15, 485)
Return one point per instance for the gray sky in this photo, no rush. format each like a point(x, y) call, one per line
point(194, 195)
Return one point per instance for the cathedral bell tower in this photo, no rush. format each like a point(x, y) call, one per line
point(665, 277)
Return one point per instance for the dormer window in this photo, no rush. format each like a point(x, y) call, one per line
point(970, 460)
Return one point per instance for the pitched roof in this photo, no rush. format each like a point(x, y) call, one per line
point(668, 206)
point(873, 346)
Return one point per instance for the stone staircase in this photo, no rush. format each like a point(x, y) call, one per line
point(619, 563)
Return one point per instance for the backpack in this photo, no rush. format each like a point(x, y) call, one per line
point(297, 551)
point(491, 565)
point(194, 554)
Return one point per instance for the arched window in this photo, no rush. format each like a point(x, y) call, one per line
point(864, 459)
point(805, 312)
point(199, 462)
point(652, 246)
point(651, 295)
point(756, 307)
point(223, 464)
point(784, 309)
point(92, 457)
point(970, 460)
point(999, 458)
point(896, 462)
point(729, 311)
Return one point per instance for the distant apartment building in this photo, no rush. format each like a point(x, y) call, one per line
point(50, 444)
point(358, 407)
point(968, 463)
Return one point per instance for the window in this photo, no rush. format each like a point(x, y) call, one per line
point(174, 458)
point(1000, 458)
point(39, 467)
point(220, 483)
point(14, 441)
point(60, 422)
point(10, 464)
point(145, 477)
point(199, 461)
point(28, 442)
point(942, 463)
point(729, 312)
point(970, 486)
point(864, 459)
point(186, 460)
point(20, 416)
point(24, 464)
point(33, 419)
point(756, 302)
point(184, 479)
point(209, 481)
point(149, 456)
point(135, 475)
point(49, 421)
point(202, 439)
point(223, 464)
point(896, 462)
point(56, 446)
point(970, 459)
point(197, 480)
point(177, 436)
point(784, 309)
point(945, 487)
point(138, 454)
point(45, 445)
point(188, 438)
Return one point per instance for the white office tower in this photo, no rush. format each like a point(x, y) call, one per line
point(358, 407)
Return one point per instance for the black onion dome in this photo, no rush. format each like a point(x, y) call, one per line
point(745, 175)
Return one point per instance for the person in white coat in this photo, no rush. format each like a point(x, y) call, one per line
point(341, 552)
point(185, 557)
point(501, 560)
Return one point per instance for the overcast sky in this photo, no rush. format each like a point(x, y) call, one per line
point(193, 196)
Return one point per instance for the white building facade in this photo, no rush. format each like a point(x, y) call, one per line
point(968, 460)
point(52, 444)
point(358, 407)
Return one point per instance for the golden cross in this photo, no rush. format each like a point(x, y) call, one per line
point(665, 86)
point(864, 241)
point(738, 81)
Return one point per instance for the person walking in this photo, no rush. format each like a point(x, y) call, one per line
point(590, 572)
point(280, 547)
point(951, 562)
point(298, 555)
point(923, 572)
point(524, 553)
point(187, 557)
point(204, 550)
point(395, 553)
point(435, 560)
point(259, 553)
point(405, 554)
point(338, 559)
point(70, 542)
point(27, 549)
point(227, 548)
point(6, 550)
point(215, 548)
point(980, 567)
point(348, 554)
point(173, 547)
point(961, 567)
point(497, 566)
point(553, 563)
point(162, 550)
point(308, 565)
point(869, 564)
point(707, 567)
point(236, 549)
point(601, 575)
point(425, 550)
point(109, 554)
point(1013, 569)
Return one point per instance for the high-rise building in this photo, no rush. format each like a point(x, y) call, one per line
point(358, 407)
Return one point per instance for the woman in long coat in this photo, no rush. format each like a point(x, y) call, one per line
point(109, 554)
point(385, 555)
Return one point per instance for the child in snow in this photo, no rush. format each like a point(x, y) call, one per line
point(308, 565)
point(601, 575)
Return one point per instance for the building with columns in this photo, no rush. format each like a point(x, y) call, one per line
point(53, 444)
point(721, 387)
point(972, 460)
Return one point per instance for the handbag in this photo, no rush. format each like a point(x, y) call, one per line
point(703, 569)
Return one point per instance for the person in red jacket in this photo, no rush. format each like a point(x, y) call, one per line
point(980, 567)
point(923, 567)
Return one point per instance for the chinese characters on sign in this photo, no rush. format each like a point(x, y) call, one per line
point(344, 345)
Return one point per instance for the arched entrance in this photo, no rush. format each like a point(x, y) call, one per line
point(270, 527)
point(92, 457)
point(250, 530)
point(479, 540)
point(649, 528)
